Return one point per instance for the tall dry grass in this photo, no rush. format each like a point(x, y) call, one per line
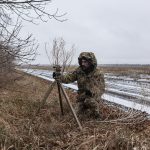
point(51, 131)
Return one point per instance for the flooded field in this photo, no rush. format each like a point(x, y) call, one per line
point(134, 88)
point(129, 90)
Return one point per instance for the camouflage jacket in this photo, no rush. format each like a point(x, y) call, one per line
point(93, 81)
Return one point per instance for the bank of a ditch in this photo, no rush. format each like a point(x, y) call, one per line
point(50, 130)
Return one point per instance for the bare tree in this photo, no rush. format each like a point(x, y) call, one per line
point(14, 49)
point(23, 9)
point(60, 55)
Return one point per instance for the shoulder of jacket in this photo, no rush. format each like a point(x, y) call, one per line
point(75, 71)
point(98, 72)
point(78, 70)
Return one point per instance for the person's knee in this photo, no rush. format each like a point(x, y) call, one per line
point(90, 102)
point(80, 107)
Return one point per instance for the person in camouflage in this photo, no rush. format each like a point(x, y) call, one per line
point(91, 85)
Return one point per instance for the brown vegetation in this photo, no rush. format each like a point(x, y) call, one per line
point(126, 69)
point(49, 130)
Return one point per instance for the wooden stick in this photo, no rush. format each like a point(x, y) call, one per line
point(60, 98)
point(43, 101)
point(70, 105)
point(45, 97)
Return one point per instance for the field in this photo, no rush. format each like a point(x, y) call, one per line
point(49, 130)
point(123, 84)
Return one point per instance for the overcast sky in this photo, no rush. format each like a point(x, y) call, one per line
point(117, 31)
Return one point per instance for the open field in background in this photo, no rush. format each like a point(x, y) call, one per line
point(124, 69)
point(129, 83)
point(51, 131)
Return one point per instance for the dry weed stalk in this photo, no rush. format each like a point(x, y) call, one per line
point(132, 118)
point(60, 55)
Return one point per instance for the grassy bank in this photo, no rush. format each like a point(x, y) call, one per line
point(49, 130)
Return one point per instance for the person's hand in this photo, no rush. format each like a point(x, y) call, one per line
point(88, 93)
point(56, 75)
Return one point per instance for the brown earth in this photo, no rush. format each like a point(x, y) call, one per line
point(20, 129)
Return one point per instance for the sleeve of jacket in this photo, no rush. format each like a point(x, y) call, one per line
point(69, 77)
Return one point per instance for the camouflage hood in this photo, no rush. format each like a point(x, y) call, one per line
point(89, 56)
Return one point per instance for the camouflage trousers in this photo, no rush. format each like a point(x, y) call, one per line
point(88, 107)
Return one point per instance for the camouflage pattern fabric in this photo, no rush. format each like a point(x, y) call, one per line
point(91, 85)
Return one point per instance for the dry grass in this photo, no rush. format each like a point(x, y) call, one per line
point(121, 69)
point(126, 70)
point(51, 131)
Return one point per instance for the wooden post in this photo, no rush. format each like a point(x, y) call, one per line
point(60, 98)
point(70, 105)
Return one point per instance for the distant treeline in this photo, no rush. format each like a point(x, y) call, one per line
point(124, 65)
point(46, 67)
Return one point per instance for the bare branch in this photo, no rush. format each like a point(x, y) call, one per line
point(15, 50)
point(60, 55)
point(29, 10)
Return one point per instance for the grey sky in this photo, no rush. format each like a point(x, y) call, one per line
point(117, 31)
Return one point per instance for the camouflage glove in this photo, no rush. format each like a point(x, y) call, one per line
point(56, 75)
point(88, 93)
